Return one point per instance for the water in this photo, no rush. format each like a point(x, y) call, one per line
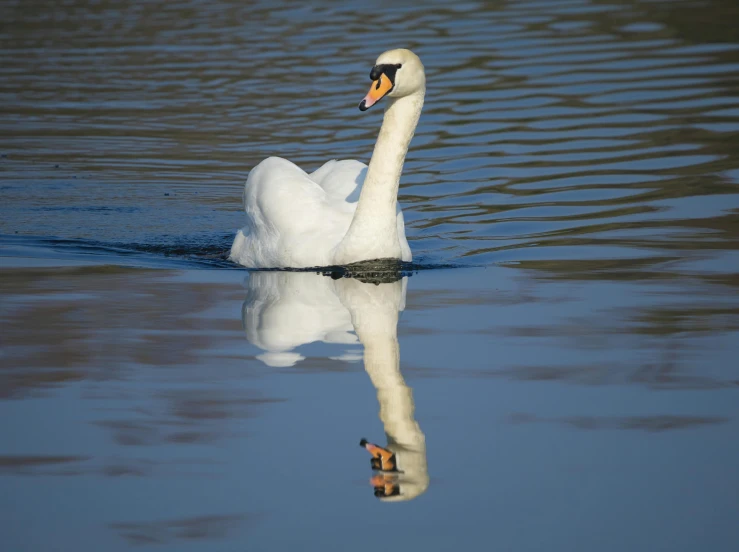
point(570, 384)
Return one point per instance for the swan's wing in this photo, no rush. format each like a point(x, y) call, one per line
point(280, 197)
point(291, 220)
point(341, 179)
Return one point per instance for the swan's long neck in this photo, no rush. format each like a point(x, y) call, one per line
point(380, 190)
point(373, 233)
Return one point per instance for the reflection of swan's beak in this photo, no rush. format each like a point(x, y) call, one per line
point(379, 88)
point(382, 459)
point(385, 485)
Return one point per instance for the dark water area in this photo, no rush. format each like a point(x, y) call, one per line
point(557, 369)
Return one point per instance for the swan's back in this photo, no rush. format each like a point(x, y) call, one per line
point(341, 179)
point(291, 220)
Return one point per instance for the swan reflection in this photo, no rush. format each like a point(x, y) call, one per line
point(284, 310)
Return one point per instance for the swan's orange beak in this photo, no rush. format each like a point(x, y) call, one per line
point(377, 91)
point(382, 459)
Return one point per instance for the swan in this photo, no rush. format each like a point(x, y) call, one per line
point(346, 211)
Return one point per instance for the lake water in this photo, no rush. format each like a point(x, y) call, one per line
point(557, 372)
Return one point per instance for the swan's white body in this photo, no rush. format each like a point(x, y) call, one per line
point(296, 219)
point(346, 211)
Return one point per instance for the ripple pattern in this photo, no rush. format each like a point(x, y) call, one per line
point(578, 130)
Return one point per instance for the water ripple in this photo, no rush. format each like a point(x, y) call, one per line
point(549, 126)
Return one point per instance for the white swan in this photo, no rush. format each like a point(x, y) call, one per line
point(345, 211)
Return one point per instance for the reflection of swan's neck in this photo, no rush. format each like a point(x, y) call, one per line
point(373, 233)
point(381, 360)
point(374, 311)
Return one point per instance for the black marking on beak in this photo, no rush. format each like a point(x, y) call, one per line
point(376, 72)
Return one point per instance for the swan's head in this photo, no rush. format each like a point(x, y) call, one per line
point(396, 73)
